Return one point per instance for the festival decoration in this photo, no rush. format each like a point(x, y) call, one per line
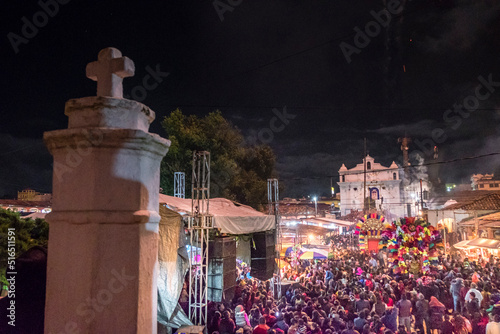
point(368, 228)
point(411, 238)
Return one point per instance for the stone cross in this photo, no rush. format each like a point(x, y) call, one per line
point(109, 71)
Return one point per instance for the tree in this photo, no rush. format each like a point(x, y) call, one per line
point(238, 171)
point(28, 233)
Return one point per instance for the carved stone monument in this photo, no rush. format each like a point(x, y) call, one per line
point(103, 242)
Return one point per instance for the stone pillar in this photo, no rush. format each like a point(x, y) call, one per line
point(103, 241)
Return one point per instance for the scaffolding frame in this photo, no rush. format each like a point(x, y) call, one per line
point(200, 224)
point(180, 184)
point(273, 203)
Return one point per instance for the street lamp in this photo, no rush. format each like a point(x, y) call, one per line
point(315, 199)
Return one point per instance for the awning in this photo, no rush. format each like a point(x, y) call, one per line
point(484, 243)
point(462, 245)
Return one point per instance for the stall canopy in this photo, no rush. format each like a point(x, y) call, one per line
point(229, 217)
point(484, 243)
point(462, 245)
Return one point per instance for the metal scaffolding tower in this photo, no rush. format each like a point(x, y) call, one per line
point(200, 223)
point(180, 184)
point(273, 202)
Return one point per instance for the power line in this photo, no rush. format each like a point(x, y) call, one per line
point(393, 169)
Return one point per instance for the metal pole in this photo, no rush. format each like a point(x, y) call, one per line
point(364, 181)
point(421, 199)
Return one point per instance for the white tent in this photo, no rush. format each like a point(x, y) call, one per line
point(229, 217)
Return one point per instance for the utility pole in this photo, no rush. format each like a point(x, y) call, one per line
point(421, 199)
point(364, 176)
point(405, 142)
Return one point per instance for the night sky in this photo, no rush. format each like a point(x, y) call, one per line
point(265, 55)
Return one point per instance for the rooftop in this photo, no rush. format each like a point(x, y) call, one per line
point(476, 200)
point(15, 202)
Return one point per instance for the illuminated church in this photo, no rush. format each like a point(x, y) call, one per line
point(385, 188)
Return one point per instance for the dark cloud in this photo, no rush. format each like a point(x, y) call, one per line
point(460, 28)
point(265, 55)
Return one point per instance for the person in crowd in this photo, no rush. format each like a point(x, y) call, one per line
point(493, 327)
point(241, 317)
point(473, 303)
point(379, 307)
point(477, 294)
point(455, 287)
point(226, 324)
point(390, 319)
point(360, 321)
point(461, 325)
point(261, 328)
point(404, 307)
point(422, 314)
point(362, 303)
point(447, 326)
point(436, 312)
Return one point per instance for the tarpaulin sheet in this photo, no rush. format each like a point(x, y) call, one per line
point(244, 225)
point(173, 265)
point(228, 216)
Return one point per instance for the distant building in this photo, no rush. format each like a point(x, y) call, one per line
point(386, 191)
point(485, 182)
point(25, 207)
point(32, 195)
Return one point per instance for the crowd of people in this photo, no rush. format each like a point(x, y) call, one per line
point(358, 293)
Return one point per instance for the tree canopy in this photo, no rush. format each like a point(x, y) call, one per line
point(28, 233)
point(239, 171)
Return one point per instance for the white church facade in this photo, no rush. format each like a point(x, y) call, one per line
point(385, 186)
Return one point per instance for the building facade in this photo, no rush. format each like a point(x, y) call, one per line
point(386, 190)
point(32, 195)
point(485, 182)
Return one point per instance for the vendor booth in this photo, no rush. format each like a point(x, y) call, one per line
point(479, 247)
